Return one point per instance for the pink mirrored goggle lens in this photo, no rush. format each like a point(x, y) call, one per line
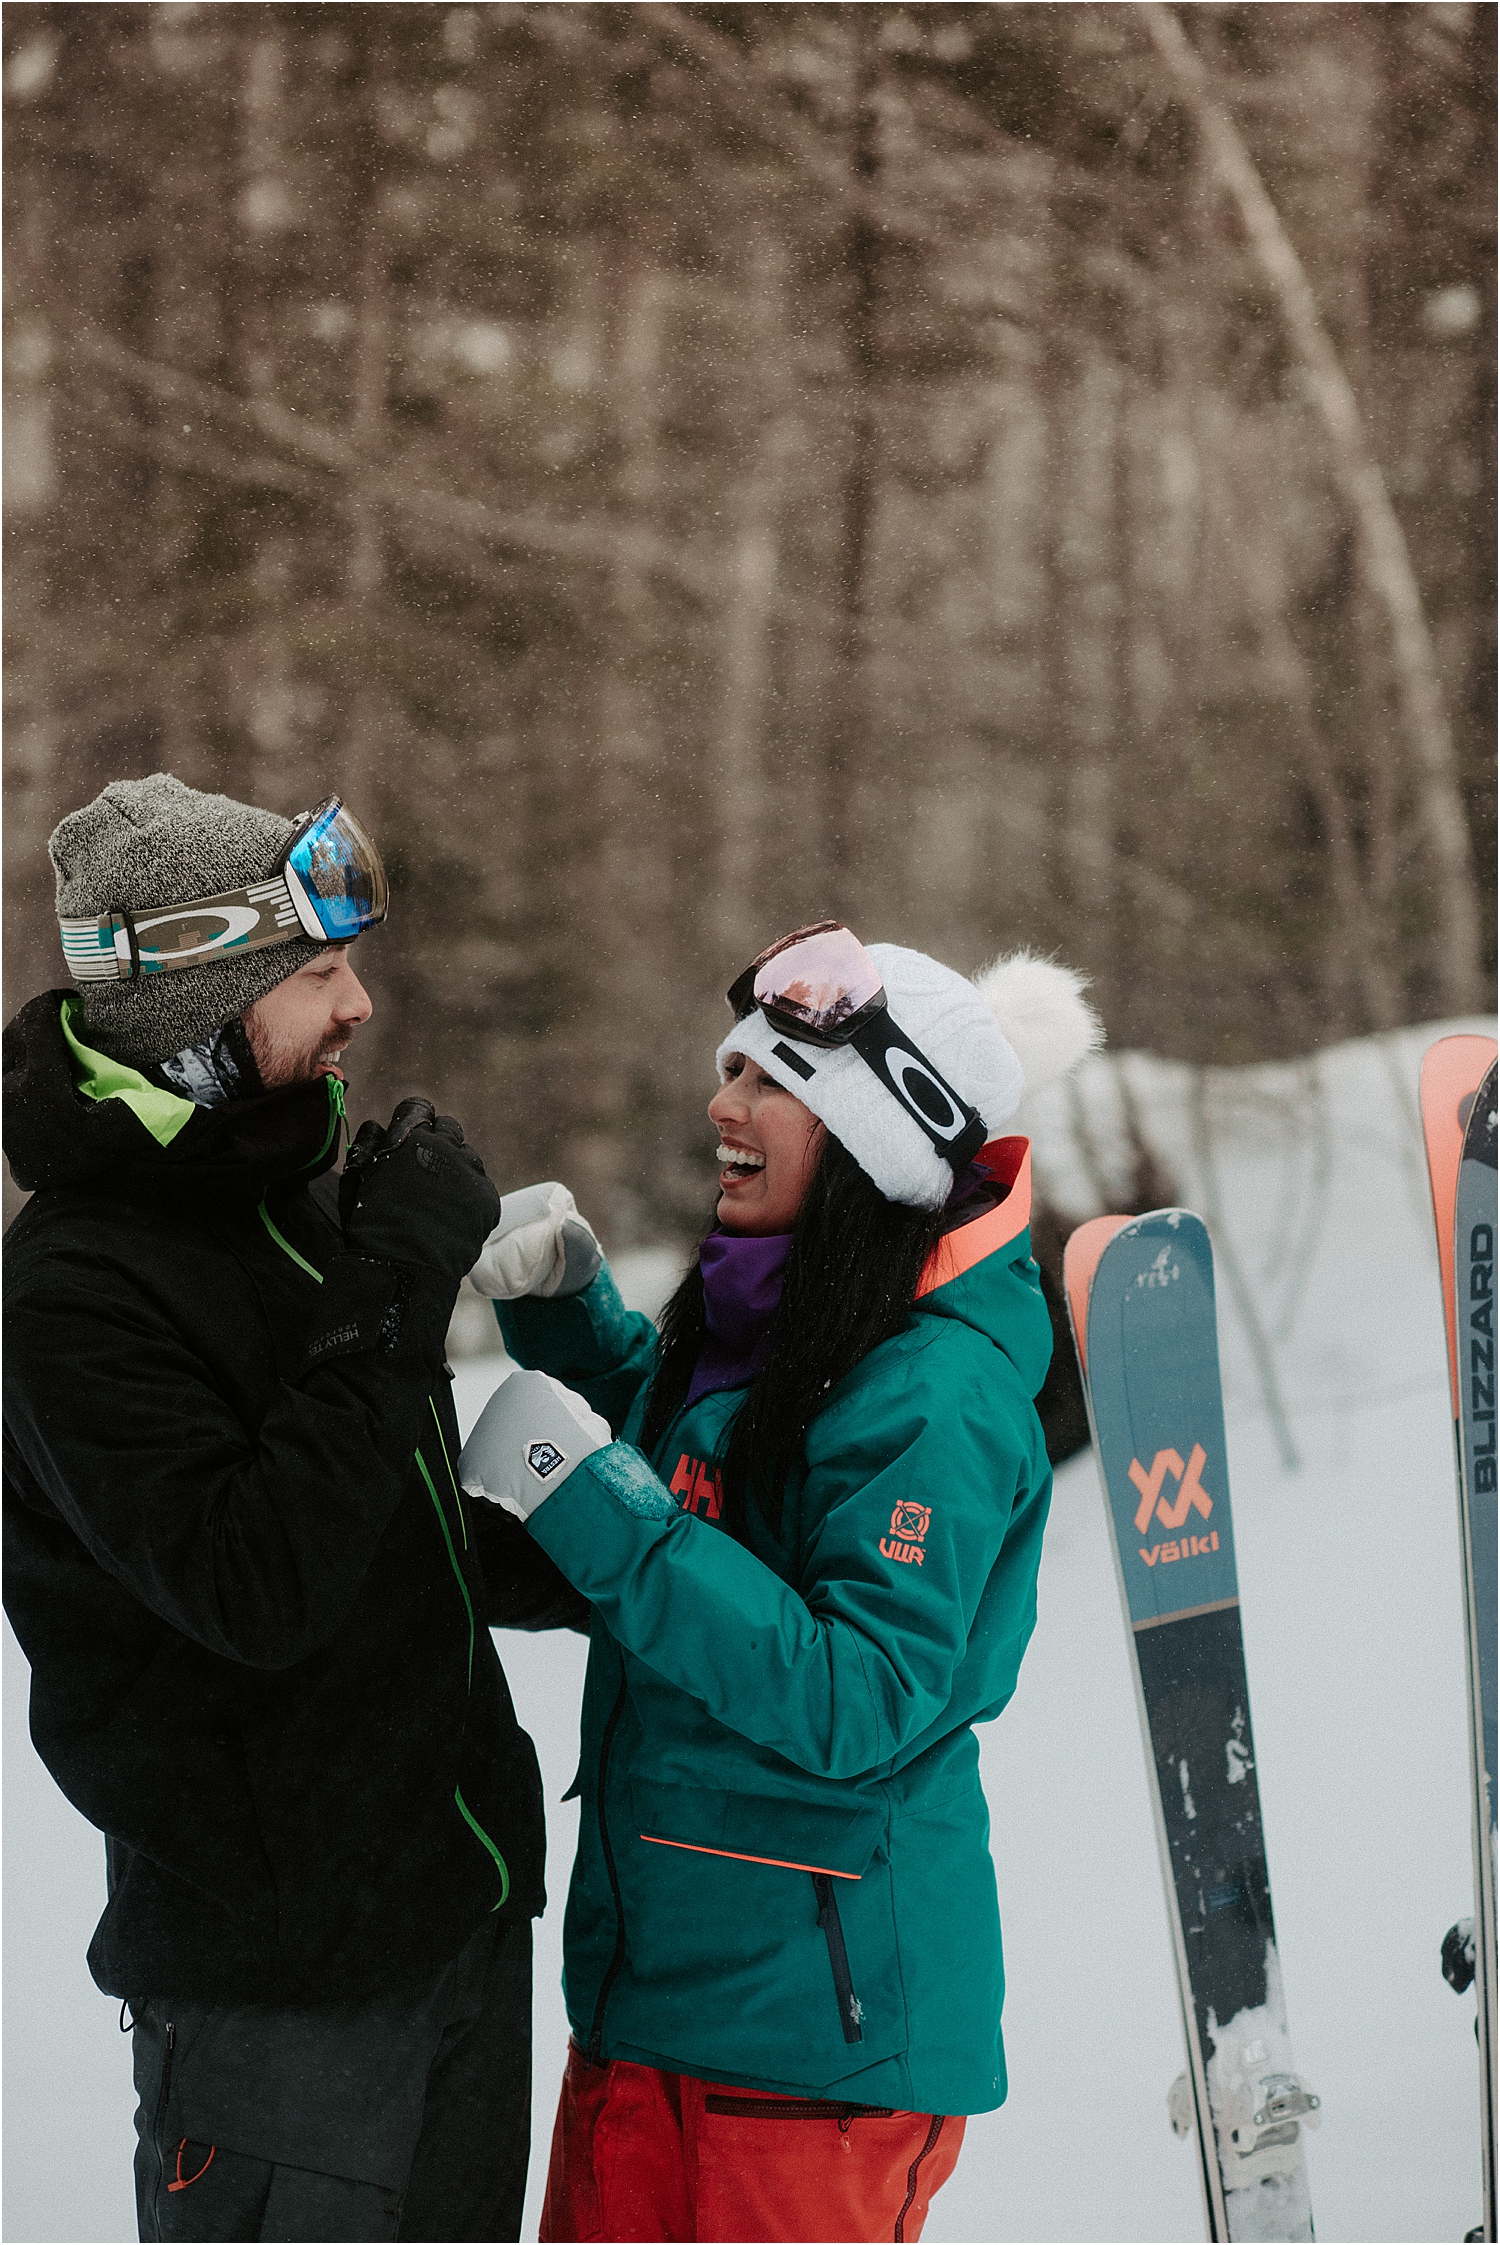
point(820, 981)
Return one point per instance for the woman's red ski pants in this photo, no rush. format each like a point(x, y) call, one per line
point(641, 2154)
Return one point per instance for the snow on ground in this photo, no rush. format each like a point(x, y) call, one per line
point(1332, 1343)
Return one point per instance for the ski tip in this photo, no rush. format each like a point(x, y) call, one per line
point(1453, 1070)
point(1080, 1261)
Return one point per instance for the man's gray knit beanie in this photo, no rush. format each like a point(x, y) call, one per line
point(154, 841)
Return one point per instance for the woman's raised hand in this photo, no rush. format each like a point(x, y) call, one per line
point(541, 1246)
point(528, 1439)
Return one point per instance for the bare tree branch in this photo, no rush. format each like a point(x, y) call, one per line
point(474, 518)
point(779, 126)
point(1386, 559)
point(1358, 948)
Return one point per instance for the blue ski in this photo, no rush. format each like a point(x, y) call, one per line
point(1141, 1299)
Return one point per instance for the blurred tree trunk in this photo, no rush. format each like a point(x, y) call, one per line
point(186, 253)
point(1184, 528)
point(32, 729)
point(1374, 752)
point(1355, 952)
point(1084, 468)
point(636, 844)
point(1142, 525)
point(264, 212)
point(738, 774)
point(628, 838)
point(1382, 543)
point(1484, 421)
point(365, 719)
point(848, 758)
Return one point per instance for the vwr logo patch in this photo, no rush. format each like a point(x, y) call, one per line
point(909, 1524)
point(1189, 1496)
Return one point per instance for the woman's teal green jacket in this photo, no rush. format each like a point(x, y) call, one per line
point(783, 1878)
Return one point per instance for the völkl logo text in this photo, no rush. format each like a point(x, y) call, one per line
point(1190, 1495)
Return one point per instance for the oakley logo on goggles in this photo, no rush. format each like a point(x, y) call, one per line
point(820, 986)
point(328, 884)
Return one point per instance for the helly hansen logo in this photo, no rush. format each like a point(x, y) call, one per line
point(698, 1486)
point(1482, 1357)
point(909, 1524)
point(341, 1337)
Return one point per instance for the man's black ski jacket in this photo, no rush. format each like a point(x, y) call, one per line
point(254, 1601)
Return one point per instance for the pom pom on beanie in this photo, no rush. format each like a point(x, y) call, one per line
point(1043, 1014)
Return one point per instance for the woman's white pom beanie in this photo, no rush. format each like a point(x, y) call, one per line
point(1021, 1023)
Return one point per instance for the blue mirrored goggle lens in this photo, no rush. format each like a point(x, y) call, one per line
point(340, 870)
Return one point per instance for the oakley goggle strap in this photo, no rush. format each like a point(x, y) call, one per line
point(118, 946)
point(329, 886)
point(956, 1129)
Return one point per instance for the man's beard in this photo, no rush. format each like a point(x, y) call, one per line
point(280, 1061)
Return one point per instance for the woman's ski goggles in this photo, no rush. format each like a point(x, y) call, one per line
point(820, 986)
point(328, 884)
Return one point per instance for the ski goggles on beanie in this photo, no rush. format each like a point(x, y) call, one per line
point(820, 986)
point(328, 884)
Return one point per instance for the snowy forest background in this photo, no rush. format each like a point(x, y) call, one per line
point(682, 470)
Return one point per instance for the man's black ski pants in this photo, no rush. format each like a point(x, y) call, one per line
point(402, 2116)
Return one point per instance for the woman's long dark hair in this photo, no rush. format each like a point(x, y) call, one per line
point(851, 1278)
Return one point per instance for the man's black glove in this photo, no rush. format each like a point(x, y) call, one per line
point(415, 1193)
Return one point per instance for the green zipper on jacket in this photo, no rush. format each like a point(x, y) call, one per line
point(335, 1117)
point(482, 1835)
point(285, 1245)
point(335, 1121)
point(458, 1573)
point(448, 1462)
point(464, 1809)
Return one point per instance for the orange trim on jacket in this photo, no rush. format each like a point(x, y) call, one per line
point(776, 1862)
point(1008, 1159)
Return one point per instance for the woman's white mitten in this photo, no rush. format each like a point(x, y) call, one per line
point(541, 1246)
point(528, 1439)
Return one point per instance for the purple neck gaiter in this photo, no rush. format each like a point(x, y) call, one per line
point(741, 1293)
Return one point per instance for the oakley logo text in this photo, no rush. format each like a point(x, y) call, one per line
point(239, 921)
point(923, 1091)
point(1191, 1493)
